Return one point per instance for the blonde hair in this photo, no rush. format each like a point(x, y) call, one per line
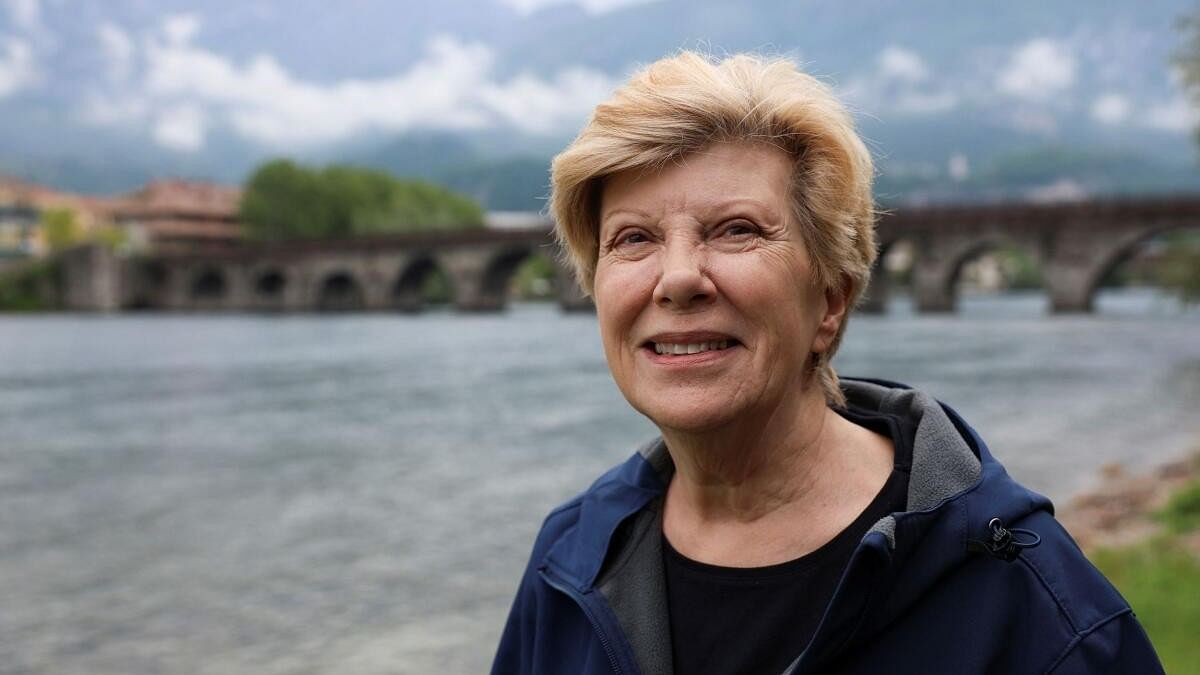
point(684, 103)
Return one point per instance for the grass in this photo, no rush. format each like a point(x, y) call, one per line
point(1182, 513)
point(1160, 578)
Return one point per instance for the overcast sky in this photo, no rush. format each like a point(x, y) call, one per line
point(166, 74)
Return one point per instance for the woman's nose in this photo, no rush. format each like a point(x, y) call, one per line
point(684, 282)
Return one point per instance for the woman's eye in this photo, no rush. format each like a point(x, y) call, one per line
point(739, 228)
point(632, 238)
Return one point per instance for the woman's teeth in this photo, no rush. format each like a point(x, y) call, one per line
point(690, 348)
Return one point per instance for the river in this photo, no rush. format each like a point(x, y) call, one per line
point(357, 494)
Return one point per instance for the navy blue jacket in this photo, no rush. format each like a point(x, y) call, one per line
point(976, 576)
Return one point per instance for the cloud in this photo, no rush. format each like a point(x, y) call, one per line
point(1061, 190)
point(179, 29)
point(902, 83)
point(925, 103)
point(118, 50)
point(17, 69)
point(1038, 69)
point(180, 128)
point(1111, 109)
point(1175, 115)
point(902, 64)
point(1035, 119)
point(540, 105)
point(590, 6)
point(958, 167)
point(184, 90)
point(26, 14)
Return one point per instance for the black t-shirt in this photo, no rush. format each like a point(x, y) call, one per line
point(757, 620)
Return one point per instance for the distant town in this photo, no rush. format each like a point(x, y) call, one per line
point(163, 215)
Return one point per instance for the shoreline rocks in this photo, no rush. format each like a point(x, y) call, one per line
point(1120, 510)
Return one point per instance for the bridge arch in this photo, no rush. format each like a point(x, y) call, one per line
point(209, 285)
point(492, 284)
point(1120, 251)
point(409, 291)
point(270, 287)
point(937, 274)
point(340, 291)
point(149, 284)
point(896, 258)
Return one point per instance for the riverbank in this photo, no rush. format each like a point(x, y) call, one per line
point(1143, 532)
point(1122, 510)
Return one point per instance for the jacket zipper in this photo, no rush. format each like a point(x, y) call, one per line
point(591, 617)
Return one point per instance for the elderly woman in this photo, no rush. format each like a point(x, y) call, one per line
point(721, 216)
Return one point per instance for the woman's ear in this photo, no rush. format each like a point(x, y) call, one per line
point(837, 304)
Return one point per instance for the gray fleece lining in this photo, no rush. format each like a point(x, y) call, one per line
point(639, 597)
point(887, 527)
point(655, 453)
point(943, 464)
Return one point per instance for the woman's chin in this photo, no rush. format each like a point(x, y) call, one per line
point(688, 418)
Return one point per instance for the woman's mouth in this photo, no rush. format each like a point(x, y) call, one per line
point(680, 348)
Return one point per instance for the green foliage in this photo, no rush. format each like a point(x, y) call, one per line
point(285, 200)
point(110, 236)
point(1161, 580)
point(30, 288)
point(436, 288)
point(1020, 269)
point(1180, 270)
point(59, 228)
point(1182, 512)
point(62, 231)
point(534, 279)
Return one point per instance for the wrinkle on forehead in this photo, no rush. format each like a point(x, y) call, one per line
point(750, 174)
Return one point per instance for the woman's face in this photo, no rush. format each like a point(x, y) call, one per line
point(705, 294)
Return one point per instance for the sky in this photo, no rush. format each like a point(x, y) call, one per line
point(183, 74)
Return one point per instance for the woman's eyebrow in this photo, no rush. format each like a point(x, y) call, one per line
point(624, 211)
point(724, 205)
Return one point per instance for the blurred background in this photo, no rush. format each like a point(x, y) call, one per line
point(289, 372)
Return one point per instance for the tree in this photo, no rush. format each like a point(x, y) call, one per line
point(286, 200)
point(59, 228)
point(1182, 269)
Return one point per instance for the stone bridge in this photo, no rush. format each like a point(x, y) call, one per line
point(1075, 244)
point(375, 274)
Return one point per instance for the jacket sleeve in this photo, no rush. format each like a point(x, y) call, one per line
point(1119, 646)
point(515, 653)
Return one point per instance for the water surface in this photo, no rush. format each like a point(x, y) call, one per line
point(358, 494)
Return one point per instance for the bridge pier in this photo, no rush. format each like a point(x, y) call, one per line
point(1079, 252)
point(91, 279)
point(932, 293)
point(468, 272)
point(1070, 286)
point(875, 296)
point(571, 297)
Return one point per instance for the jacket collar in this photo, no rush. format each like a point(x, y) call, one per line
point(580, 553)
point(615, 548)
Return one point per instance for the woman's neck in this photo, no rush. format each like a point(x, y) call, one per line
point(775, 487)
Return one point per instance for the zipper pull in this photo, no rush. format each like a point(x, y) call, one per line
point(1004, 544)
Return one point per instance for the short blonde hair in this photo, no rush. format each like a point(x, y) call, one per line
point(684, 103)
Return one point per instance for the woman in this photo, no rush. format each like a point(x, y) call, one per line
point(720, 214)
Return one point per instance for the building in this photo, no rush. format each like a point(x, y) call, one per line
point(22, 205)
point(177, 215)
